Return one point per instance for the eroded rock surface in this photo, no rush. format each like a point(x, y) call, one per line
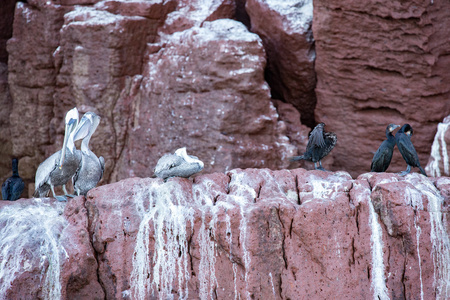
point(246, 234)
point(161, 74)
point(46, 252)
point(205, 90)
point(438, 163)
point(380, 64)
point(285, 28)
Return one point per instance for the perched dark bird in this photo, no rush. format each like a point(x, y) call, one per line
point(13, 187)
point(406, 148)
point(320, 143)
point(60, 167)
point(383, 156)
point(91, 167)
point(179, 164)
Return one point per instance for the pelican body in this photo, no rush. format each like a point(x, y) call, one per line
point(60, 167)
point(91, 167)
point(179, 164)
point(13, 187)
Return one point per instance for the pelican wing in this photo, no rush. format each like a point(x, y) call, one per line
point(46, 168)
point(167, 162)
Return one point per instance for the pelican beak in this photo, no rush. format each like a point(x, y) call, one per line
point(82, 129)
point(70, 126)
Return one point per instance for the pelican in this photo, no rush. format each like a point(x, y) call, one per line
point(59, 168)
point(91, 167)
point(13, 187)
point(179, 164)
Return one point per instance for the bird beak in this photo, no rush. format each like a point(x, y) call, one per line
point(82, 129)
point(395, 126)
point(70, 126)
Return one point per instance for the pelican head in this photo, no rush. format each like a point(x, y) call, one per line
point(181, 152)
point(71, 123)
point(87, 126)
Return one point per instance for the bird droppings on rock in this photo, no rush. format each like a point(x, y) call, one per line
point(242, 235)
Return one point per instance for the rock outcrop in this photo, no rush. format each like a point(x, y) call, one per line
point(161, 74)
point(249, 234)
point(285, 28)
point(438, 163)
point(380, 64)
point(46, 252)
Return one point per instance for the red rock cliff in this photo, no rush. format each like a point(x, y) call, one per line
point(246, 234)
point(166, 74)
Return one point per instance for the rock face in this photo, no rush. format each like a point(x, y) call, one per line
point(205, 90)
point(248, 234)
point(285, 28)
point(439, 164)
point(6, 21)
point(46, 251)
point(168, 74)
point(161, 74)
point(380, 64)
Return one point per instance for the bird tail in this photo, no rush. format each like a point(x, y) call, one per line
point(41, 191)
point(422, 171)
point(296, 158)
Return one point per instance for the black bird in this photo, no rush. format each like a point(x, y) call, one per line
point(406, 148)
point(13, 187)
point(383, 156)
point(320, 143)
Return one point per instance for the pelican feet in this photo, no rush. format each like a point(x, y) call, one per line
point(61, 198)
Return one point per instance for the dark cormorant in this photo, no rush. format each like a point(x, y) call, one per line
point(383, 156)
point(91, 167)
point(13, 187)
point(320, 143)
point(179, 164)
point(60, 167)
point(406, 148)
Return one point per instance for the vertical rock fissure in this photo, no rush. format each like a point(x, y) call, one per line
point(297, 190)
point(96, 254)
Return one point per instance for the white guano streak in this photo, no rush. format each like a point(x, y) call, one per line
point(414, 198)
point(378, 279)
point(19, 233)
point(439, 239)
point(169, 214)
point(439, 152)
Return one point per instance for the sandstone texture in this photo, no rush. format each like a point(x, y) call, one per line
point(161, 74)
point(438, 163)
point(285, 28)
point(46, 252)
point(227, 79)
point(220, 109)
point(6, 21)
point(244, 234)
point(378, 64)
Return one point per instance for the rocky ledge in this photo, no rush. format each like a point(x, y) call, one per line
point(246, 234)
